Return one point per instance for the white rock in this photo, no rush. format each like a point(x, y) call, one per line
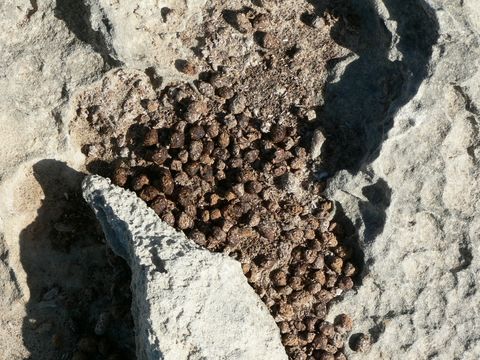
point(317, 142)
point(188, 303)
point(417, 209)
point(419, 229)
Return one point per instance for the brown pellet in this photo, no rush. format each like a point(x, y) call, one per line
point(151, 137)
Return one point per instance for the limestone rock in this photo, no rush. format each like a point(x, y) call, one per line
point(317, 143)
point(188, 303)
point(416, 206)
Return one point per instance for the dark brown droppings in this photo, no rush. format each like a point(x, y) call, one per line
point(197, 132)
point(159, 155)
point(165, 182)
point(237, 104)
point(223, 139)
point(139, 181)
point(279, 278)
point(168, 218)
point(184, 221)
point(345, 283)
point(253, 187)
point(148, 193)
point(277, 133)
point(192, 168)
point(120, 176)
point(195, 150)
point(213, 130)
point(348, 269)
point(177, 139)
point(195, 110)
point(232, 171)
point(151, 137)
point(261, 22)
point(343, 323)
point(161, 205)
point(225, 92)
point(183, 156)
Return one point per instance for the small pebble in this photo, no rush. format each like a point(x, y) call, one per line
point(242, 23)
point(237, 104)
point(102, 324)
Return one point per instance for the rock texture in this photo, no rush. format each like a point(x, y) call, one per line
point(416, 207)
point(400, 117)
point(48, 52)
point(188, 303)
point(51, 52)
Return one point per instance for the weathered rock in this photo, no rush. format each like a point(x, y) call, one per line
point(317, 142)
point(188, 302)
point(417, 205)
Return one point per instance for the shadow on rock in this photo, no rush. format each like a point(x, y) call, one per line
point(350, 239)
point(79, 303)
point(77, 16)
point(374, 210)
point(360, 105)
point(365, 91)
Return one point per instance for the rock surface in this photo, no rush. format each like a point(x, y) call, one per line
point(407, 175)
point(188, 303)
point(416, 206)
point(50, 52)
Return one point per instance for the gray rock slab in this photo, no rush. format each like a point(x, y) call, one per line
point(415, 208)
point(188, 303)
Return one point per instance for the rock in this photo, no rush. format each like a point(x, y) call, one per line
point(417, 204)
point(187, 302)
point(317, 142)
point(413, 197)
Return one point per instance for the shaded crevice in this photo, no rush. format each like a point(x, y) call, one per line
point(33, 9)
point(359, 108)
point(62, 254)
point(374, 210)
point(466, 256)
point(364, 94)
point(350, 239)
point(77, 16)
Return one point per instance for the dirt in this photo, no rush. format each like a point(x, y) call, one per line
point(230, 159)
